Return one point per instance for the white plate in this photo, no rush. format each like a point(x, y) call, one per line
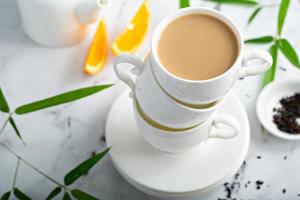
point(269, 98)
point(170, 176)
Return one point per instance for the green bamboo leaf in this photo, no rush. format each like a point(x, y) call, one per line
point(20, 195)
point(13, 124)
point(3, 103)
point(270, 74)
point(253, 15)
point(283, 8)
point(184, 3)
point(60, 99)
point(67, 196)
point(5, 196)
point(80, 195)
point(54, 193)
point(289, 52)
point(84, 167)
point(260, 40)
point(237, 2)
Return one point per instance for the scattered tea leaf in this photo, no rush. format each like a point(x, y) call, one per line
point(3, 103)
point(184, 3)
point(13, 124)
point(20, 195)
point(5, 196)
point(67, 196)
point(237, 2)
point(60, 99)
point(270, 74)
point(289, 52)
point(80, 195)
point(260, 40)
point(253, 15)
point(84, 167)
point(283, 8)
point(54, 193)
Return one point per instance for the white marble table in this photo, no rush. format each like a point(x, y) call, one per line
point(59, 138)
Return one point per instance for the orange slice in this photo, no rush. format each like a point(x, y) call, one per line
point(135, 32)
point(96, 56)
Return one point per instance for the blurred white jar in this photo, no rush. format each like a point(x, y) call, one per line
point(59, 23)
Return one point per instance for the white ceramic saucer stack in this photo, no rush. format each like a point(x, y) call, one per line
point(191, 175)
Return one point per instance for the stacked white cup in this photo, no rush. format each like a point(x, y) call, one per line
point(176, 114)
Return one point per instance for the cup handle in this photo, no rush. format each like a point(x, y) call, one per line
point(219, 132)
point(258, 54)
point(126, 77)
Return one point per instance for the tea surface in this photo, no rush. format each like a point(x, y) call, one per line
point(197, 47)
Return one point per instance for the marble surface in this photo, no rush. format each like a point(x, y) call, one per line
point(59, 138)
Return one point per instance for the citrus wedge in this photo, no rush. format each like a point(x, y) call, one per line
point(97, 53)
point(135, 32)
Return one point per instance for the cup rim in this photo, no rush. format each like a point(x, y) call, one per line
point(164, 130)
point(195, 10)
point(191, 107)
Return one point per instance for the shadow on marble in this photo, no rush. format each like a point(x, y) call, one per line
point(8, 17)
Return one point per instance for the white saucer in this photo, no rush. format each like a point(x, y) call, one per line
point(268, 98)
point(172, 176)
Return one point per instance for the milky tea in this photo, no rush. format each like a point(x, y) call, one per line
point(197, 47)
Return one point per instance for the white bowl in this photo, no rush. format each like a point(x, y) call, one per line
point(269, 98)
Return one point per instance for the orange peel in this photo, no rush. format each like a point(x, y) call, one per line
point(97, 53)
point(134, 34)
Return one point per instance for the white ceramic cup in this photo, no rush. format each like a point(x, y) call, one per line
point(181, 140)
point(157, 104)
point(202, 91)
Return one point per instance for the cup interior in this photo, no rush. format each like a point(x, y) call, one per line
point(188, 11)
